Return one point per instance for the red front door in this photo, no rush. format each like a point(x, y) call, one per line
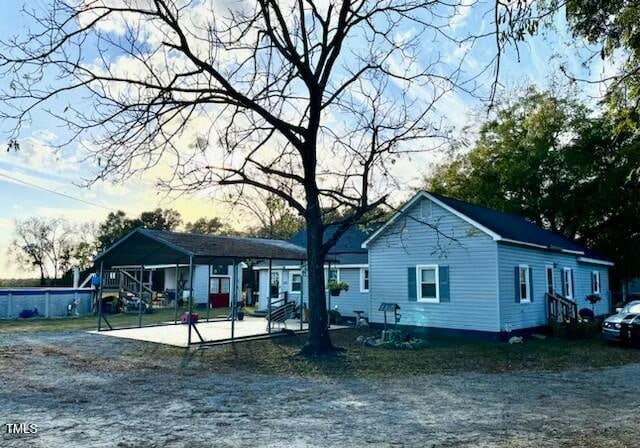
point(219, 292)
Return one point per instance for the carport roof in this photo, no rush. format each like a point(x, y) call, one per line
point(144, 246)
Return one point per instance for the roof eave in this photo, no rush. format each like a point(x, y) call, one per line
point(596, 261)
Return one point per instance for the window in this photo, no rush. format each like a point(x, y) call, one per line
point(364, 279)
point(275, 284)
point(425, 209)
point(333, 273)
point(567, 282)
point(295, 281)
point(595, 282)
point(428, 283)
point(550, 282)
point(524, 283)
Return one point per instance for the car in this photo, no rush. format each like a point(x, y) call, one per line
point(612, 324)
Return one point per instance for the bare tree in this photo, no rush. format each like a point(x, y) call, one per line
point(311, 101)
point(43, 244)
point(277, 220)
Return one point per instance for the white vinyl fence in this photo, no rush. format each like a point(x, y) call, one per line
point(50, 302)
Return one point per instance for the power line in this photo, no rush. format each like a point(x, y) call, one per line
point(32, 185)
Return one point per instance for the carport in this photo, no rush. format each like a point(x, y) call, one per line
point(143, 248)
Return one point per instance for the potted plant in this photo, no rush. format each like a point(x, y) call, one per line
point(336, 286)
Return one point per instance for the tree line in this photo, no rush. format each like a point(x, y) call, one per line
point(52, 246)
point(546, 156)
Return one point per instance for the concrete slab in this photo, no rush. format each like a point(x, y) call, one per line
point(212, 332)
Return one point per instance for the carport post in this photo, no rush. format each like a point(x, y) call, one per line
point(209, 293)
point(99, 293)
point(190, 299)
point(269, 298)
point(234, 299)
point(140, 297)
point(301, 294)
point(328, 294)
point(175, 302)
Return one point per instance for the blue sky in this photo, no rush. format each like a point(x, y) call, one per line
point(38, 164)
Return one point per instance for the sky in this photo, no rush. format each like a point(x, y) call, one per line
point(29, 177)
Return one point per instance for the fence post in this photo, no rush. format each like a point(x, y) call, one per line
point(9, 304)
point(47, 304)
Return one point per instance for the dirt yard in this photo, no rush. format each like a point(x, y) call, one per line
point(145, 395)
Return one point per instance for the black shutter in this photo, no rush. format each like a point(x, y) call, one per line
point(517, 289)
point(411, 284)
point(443, 279)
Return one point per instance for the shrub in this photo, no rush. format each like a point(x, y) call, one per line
point(335, 317)
point(582, 329)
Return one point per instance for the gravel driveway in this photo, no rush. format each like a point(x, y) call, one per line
point(127, 400)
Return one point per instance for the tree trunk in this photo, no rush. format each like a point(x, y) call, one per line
point(319, 341)
point(42, 276)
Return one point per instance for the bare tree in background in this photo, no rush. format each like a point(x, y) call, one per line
point(311, 101)
point(43, 244)
point(277, 220)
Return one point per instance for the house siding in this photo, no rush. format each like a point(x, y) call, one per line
point(516, 315)
point(345, 303)
point(349, 301)
point(471, 259)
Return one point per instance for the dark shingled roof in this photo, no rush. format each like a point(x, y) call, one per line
point(144, 246)
point(515, 227)
point(348, 249)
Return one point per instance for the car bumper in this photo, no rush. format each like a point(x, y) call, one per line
point(610, 334)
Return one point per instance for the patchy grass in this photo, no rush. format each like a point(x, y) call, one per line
point(280, 356)
point(90, 322)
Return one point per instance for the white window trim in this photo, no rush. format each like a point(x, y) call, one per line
point(326, 274)
point(568, 280)
point(291, 274)
point(327, 271)
point(597, 275)
point(548, 268)
point(419, 269)
point(527, 281)
point(362, 289)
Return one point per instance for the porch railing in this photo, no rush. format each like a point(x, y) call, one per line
point(561, 309)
